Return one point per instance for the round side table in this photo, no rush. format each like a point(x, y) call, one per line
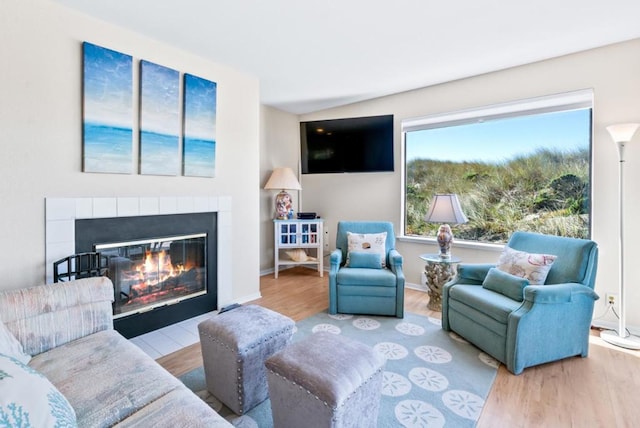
point(438, 270)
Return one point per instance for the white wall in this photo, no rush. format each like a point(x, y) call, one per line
point(279, 147)
point(40, 136)
point(612, 72)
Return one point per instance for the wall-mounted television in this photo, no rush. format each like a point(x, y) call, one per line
point(359, 144)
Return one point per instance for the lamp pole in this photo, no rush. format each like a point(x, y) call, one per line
point(621, 134)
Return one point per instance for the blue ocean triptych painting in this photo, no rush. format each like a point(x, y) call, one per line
point(108, 110)
point(159, 119)
point(108, 126)
point(199, 127)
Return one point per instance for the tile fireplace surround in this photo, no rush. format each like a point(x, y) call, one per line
point(61, 214)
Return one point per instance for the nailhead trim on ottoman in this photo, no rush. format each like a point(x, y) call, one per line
point(235, 345)
point(325, 380)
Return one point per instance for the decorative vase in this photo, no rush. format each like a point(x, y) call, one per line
point(283, 205)
point(445, 238)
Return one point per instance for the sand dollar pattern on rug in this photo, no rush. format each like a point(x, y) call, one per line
point(421, 359)
point(432, 378)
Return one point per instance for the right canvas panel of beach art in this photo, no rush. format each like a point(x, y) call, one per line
point(199, 144)
point(159, 119)
point(107, 106)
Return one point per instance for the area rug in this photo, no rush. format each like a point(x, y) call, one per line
point(432, 378)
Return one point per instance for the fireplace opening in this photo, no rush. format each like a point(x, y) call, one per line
point(150, 273)
point(191, 243)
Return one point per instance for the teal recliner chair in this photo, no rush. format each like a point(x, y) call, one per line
point(550, 322)
point(366, 289)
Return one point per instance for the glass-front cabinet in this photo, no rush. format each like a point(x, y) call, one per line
point(298, 242)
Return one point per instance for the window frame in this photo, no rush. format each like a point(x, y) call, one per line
point(580, 99)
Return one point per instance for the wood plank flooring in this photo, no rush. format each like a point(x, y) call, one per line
point(602, 390)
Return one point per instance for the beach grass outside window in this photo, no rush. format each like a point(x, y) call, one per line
point(524, 165)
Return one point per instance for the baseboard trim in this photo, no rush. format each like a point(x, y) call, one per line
point(418, 287)
point(613, 325)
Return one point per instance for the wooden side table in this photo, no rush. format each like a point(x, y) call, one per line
point(438, 271)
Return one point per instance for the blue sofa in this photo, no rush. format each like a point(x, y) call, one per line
point(366, 290)
point(550, 323)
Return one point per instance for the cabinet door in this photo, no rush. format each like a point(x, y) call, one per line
point(309, 233)
point(288, 234)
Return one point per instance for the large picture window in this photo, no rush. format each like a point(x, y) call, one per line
point(518, 166)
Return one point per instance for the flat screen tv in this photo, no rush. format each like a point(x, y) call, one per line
point(359, 144)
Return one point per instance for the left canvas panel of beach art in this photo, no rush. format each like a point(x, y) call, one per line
point(107, 107)
point(159, 119)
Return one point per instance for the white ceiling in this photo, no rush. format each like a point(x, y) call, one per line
point(310, 55)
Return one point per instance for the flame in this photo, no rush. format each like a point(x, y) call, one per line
point(155, 269)
point(144, 279)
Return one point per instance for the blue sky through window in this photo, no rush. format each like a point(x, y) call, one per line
point(501, 140)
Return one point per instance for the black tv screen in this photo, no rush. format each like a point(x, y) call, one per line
point(359, 144)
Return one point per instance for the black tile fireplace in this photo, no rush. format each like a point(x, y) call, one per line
point(163, 266)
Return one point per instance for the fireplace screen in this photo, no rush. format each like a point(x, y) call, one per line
point(150, 273)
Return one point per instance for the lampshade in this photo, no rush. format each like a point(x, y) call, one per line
point(283, 178)
point(445, 208)
point(622, 132)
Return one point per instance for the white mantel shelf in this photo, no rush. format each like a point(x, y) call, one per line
point(61, 214)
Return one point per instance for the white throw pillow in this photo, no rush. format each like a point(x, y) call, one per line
point(27, 398)
point(10, 346)
point(534, 267)
point(367, 243)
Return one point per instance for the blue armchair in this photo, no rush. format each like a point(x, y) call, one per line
point(537, 324)
point(362, 288)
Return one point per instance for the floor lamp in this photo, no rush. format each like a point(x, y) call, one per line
point(621, 134)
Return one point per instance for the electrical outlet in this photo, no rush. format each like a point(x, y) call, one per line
point(325, 240)
point(611, 299)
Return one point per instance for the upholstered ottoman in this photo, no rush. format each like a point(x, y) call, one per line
point(235, 345)
point(325, 380)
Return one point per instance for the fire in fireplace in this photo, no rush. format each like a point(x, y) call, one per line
point(156, 272)
point(137, 231)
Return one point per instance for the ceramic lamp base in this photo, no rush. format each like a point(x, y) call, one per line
point(445, 238)
point(283, 205)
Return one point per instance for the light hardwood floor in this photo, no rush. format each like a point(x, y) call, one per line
point(602, 390)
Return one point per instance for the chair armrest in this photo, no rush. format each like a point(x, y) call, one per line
point(552, 322)
point(557, 293)
point(395, 260)
point(335, 259)
point(472, 272)
point(395, 265)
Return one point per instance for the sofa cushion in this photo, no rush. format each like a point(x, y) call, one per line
point(179, 408)
point(360, 259)
point(29, 399)
point(488, 302)
point(360, 276)
point(534, 267)
point(105, 377)
point(506, 284)
point(372, 243)
point(10, 346)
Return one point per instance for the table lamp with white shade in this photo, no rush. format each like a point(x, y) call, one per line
point(283, 179)
point(445, 209)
